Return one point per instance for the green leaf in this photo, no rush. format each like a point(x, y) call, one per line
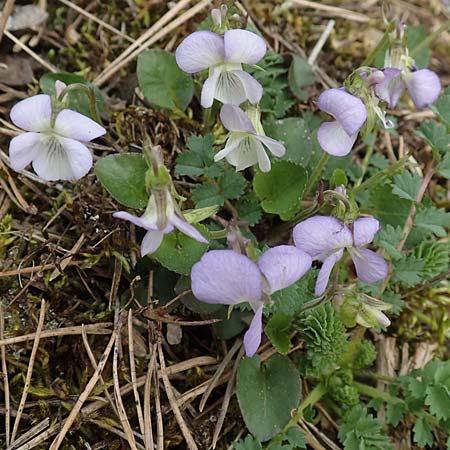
point(423, 432)
point(407, 185)
point(278, 330)
point(415, 35)
point(435, 256)
point(249, 443)
point(300, 75)
point(387, 207)
point(442, 107)
point(198, 158)
point(395, 413)
point(408, 271)
point(179, 252)
point(296, 438)
point(123, 176)
point(267, 393)
point(78, 100)
point(444, 166)
point(438, 399)
point(162, 82)
point(388, 239)
point(207, 195)
point(338, 178)
point(281, 189)
point(435, 135)
point(232, 184)
point(249, 209)
point(295, 135)
point(432, 220)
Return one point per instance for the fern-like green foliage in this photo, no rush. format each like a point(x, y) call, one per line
point(365, 355)
point(326, 341)
point(340, 389)
point(360, 430)
point(435, 256)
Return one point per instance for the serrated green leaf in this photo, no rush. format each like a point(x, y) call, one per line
point(296, 438)
point(281, 189)
point(387, 207)
point(388, 239)
point(278, 330)
point(249, 209)
point(435, 256)
point(444, 166)
point(295, 135)
point(432, 220)
point(207, 195)
point(300, 75)
point(442, 107)
point(395, 413)
point(435, 135)
point(423, 432)
point(232, 184)
point(179, 252)
point(198, 158)
point(78, 100)
point(407, 185)
point(408, 271)
point(267, 394)
point(162, 82)
point(338, 178)
point(123, 176)
point(438, 399)
point(249, 443)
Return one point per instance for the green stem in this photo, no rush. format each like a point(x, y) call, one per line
point(365, 164)
point(219, 234)
point(313, 303)
point(431, 38)
point(383, 41)
point(317, 172)
point(375, 393)
point(379, 176)
point(375, 376)
point(89, 92)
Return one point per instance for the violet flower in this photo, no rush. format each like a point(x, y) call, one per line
point(56, 149)
point(423, 86)
point(350, 113)
point(229, 278)
point(245, 144)
point(223, 56)
point(160, 218)
point(325, 238)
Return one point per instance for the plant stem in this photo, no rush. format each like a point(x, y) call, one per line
point(373, 54)
point(431, 38)
point(365, 164)
point(317, 172)
point(89, 92)
point(375, 393)
point(374, 376)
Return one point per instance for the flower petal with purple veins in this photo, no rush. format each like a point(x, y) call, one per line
point(200, 50)
point(263, 159)
point(252, 87)
point(276, 147)
point(33, 113)
point(23, 149)
point(62, 159)
point(283, 265)
point(232, 144)
point(325, 272)
point(246, 154)
point(424, 87)
point(370, 267)
point(243, 46)
point(74, 125)
point(319, 236)
point(252, 337)
point(229, 88)
point(347, 109)
point(334, 140)
point(226, 277)
point(391, 89)
point(187, 229)
point(364, 230)
point(151, 242)
point(234, 118)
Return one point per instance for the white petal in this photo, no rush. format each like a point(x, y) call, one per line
point(243, 46)
point(151, 242)
point(263, 159)
point(23, 149)
point(234, 119)
point(232, 143)
point(252, 337)
point(276, 147)
point(245, 154)
point(199, 51)
point(33, 114)
point(74, 125)
point(334, 140)
point(187, 229)
point(209, 88)
point(325, 272)
point(229, 88)
point(252, 87)
point(62, 159)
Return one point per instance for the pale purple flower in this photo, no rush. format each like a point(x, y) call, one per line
point(223, 56)
point(423, 86)
point(58, 150)
point(159, 222)
point(350, 113)
point(245, 145)
point(325, 239)
point(229, 278)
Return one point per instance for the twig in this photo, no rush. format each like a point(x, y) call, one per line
point(148, 430)
point(159, 417)
point(30, 433)
point(321, 42)
point(97, 328)
point(84, 395)
point(173, 403)
point(65, 262)
point(5, 379)
point(29, 371)
point(227, 398)
point(137, 399)
point(6, 12)
point(41, 268)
